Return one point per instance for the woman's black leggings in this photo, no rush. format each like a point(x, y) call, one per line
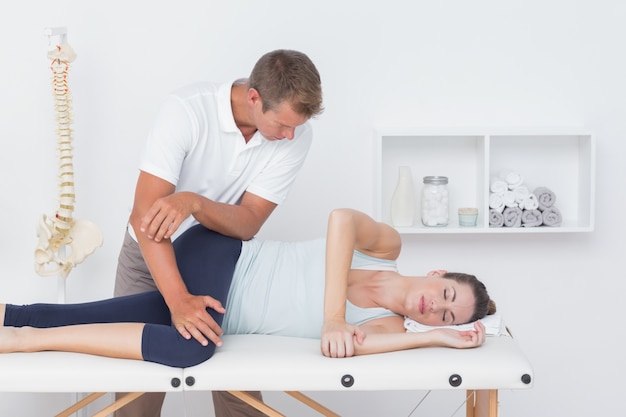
point(206, 261)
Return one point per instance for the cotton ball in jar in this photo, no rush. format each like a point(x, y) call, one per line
point(435, 201)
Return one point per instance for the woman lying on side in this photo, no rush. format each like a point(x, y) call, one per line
point(355, 302)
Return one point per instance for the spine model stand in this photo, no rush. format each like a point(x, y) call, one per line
point(63, 241)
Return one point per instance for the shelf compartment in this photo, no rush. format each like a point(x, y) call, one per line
point(563, 162)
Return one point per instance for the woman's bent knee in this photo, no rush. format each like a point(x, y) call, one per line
point(164, 345)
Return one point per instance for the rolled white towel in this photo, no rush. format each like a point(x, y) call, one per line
point(512, 178)
point(530, 202)
point(496, 202)
point(545, 196)
point(521, 193)
point(498, 185)
point(508, 197)
point(551, 216)
point(494, 326)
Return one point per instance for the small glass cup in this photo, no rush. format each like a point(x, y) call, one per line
point(468, 216)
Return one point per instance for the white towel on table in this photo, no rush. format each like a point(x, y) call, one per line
point(494, 326)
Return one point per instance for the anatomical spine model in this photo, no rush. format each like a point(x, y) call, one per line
point(63, 241)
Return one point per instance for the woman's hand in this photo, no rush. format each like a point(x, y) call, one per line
point(462, 339)
point(339, 337)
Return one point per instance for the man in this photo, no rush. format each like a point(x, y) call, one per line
point(223, 155)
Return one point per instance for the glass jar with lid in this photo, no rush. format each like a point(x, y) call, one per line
point(434, 205)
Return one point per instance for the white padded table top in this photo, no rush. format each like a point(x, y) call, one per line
point(76, 372)
point(258, 362)
point(275, 363)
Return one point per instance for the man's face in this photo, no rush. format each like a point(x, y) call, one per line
point(277, 124)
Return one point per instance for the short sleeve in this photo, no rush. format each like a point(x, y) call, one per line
point(171, 137)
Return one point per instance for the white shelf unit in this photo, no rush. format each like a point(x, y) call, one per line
point(561, 159)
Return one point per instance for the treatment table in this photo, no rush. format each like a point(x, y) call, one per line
point(275, 363)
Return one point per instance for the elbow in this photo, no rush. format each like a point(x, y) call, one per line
point(341, 215)
point(249, 227)
point(342, 220)
point(247, 235)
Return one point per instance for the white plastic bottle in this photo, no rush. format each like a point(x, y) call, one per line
point(403, 199)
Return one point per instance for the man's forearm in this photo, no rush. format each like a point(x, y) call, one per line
point(227, 219)
point(242, 221)
point(161, 261)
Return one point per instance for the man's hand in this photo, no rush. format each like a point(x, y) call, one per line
point(339, 337)
point(191, 319)
point(166, 214)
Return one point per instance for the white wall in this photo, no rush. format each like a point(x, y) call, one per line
point(450, 63)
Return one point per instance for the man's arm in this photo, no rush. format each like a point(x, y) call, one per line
point(242, 221)
point(155, 199)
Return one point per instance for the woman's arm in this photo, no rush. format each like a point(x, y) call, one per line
point(349, 230)
point(379, 341)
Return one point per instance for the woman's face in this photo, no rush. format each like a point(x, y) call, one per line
point(436, 301)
